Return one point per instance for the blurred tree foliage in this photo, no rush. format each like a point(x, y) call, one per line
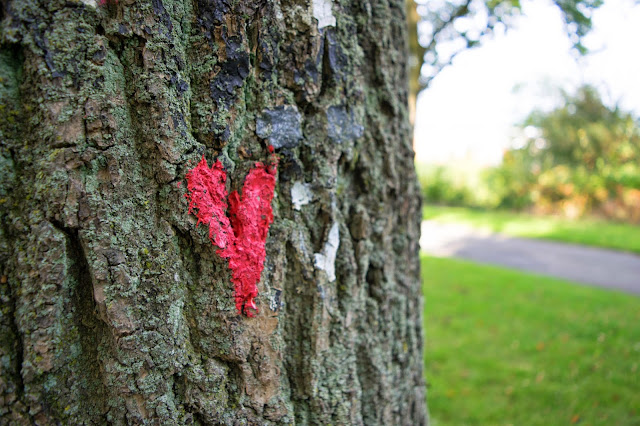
point(443, 185)
point(441, 29)
point(581, 157)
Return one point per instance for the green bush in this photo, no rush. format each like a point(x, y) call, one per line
point(584, 159)
point(439, 186)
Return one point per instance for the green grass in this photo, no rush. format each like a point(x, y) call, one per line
point(590, 232)
point(508, 348)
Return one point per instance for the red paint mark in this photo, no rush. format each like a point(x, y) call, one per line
point(241, 236)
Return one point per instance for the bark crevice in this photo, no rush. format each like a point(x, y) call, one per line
point(93, 332)
point(18, 345)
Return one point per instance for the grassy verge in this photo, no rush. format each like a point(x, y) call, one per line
point(617, 236)
point(504, 347)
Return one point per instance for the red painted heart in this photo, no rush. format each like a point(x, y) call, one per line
point(241, 236)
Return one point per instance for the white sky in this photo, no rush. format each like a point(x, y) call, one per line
point(471, 107)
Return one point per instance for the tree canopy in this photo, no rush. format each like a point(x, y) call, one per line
point(446, 28)
point(576, 158)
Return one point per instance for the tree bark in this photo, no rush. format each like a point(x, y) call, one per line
point(116, 308)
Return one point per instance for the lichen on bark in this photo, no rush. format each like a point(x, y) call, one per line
point(115, 307)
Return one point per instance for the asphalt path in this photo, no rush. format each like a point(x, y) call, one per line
point(587, 265)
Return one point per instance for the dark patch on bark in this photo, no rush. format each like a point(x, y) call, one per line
point(336, 57)
point(161, 12)
point(374, 278)
point(232, 72)
point(289, 167)
point(281, 126)
point(211, 13)
point(343, 126)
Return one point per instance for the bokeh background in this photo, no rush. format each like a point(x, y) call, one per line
point(526, 118)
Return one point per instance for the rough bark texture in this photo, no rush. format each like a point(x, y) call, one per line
point(115, 307)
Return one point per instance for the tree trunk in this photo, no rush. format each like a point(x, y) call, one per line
point(116, 308)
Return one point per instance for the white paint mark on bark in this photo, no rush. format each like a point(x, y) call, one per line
point(275, 303)
point(322, 12)
point(92, 3)
point(327, 259)
point(301, 194)
point(175, 314)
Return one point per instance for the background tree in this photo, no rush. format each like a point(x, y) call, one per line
point(578, 158)
point(445, 28)
point(115, 307)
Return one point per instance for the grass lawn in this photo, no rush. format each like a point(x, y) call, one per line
point(509, 348)
point(618, 236)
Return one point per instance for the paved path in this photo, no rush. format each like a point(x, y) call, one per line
point(601, 267)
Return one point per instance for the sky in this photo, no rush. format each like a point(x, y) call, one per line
point(469, 111)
